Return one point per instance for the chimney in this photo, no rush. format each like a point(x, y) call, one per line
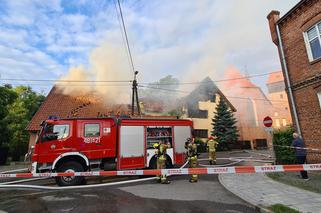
point(273, 17)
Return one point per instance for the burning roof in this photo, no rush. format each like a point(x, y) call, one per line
point(207, 90)
point(81, 106)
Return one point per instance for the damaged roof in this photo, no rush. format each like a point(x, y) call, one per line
point(205, 91)
point(80, 106)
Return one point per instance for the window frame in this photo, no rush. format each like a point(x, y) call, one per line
point(68, 131)
point(199, 133)
point(307, 41)
point(319, 98)
point(84, 134)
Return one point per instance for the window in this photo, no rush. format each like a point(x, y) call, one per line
point(61, 130)
point(277, 121)
point(319, 97)
point(197, 113)
point(200, 133)
point(313, 42)
point(55, 132)
point(213, 98)
point(276, 114)
point(284, 122)
point(92, 130)
point(281, 96)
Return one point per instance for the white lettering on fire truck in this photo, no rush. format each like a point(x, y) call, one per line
point(92, 140)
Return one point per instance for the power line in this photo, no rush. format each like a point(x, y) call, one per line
point(186, 92)
point(130, 81)
point(66, 81)
point(206, 82)
point(121, 31)
point(126, 37)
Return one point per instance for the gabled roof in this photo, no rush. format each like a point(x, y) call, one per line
point(81, 106)
point(204, 92)
point(275, 77)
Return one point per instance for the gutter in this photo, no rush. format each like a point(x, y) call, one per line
point(285, 68)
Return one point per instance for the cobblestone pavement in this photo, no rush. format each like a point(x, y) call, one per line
point(260, 190)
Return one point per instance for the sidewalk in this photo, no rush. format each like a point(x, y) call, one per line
point(13, 166)
point(260, 190)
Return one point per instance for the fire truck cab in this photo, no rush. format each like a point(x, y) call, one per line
point(76, 145)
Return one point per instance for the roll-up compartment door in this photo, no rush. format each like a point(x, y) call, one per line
point(181, 133)
point(132, 147)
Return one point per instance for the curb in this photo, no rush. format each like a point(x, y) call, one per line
point(257, 207)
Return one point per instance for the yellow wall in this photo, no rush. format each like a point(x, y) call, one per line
point(281, 114)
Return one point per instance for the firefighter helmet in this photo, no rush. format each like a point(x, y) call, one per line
point(155, 145)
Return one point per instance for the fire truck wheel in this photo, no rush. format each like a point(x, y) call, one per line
point(71, 166)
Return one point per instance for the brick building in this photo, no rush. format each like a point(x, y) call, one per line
point(297, 34)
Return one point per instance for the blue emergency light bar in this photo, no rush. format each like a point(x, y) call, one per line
point(53, 117)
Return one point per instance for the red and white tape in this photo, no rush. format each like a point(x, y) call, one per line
point(217, 170)
point(293, 147)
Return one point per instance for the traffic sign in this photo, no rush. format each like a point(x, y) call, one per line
point(268, 121)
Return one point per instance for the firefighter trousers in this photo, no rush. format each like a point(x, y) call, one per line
point(193, 164)
point(212, 157)
point(161, 164)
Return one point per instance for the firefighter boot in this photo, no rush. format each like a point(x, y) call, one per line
point(164, 180)
point(194, 179)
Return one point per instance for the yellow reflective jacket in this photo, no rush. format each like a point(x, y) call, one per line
point(211, 144)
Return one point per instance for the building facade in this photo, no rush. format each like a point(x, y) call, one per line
point(298, 37)
point(200, 106)
point(252, 107)
point(281, 114)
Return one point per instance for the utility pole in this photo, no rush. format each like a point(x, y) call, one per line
point(135, 95)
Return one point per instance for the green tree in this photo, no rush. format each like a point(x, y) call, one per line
point(7, 97)
point(19, 114)
point(224, 126)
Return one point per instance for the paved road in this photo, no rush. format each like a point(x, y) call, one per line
point(179, 196)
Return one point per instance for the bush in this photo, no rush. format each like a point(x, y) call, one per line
point(283, 138)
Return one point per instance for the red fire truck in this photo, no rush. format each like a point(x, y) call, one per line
point(76, 145)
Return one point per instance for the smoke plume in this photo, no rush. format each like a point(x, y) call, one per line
point(107, 67)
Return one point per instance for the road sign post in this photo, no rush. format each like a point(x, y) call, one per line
point(267, 122)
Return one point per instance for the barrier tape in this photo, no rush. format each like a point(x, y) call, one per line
point(293, 147)
point(180, 171)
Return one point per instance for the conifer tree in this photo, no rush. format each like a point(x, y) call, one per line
point(224, 126)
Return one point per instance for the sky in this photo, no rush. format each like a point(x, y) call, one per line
point(189, 39)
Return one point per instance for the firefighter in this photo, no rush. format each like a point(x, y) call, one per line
point(192, 157)
point(211, 148)
point(161, 161)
